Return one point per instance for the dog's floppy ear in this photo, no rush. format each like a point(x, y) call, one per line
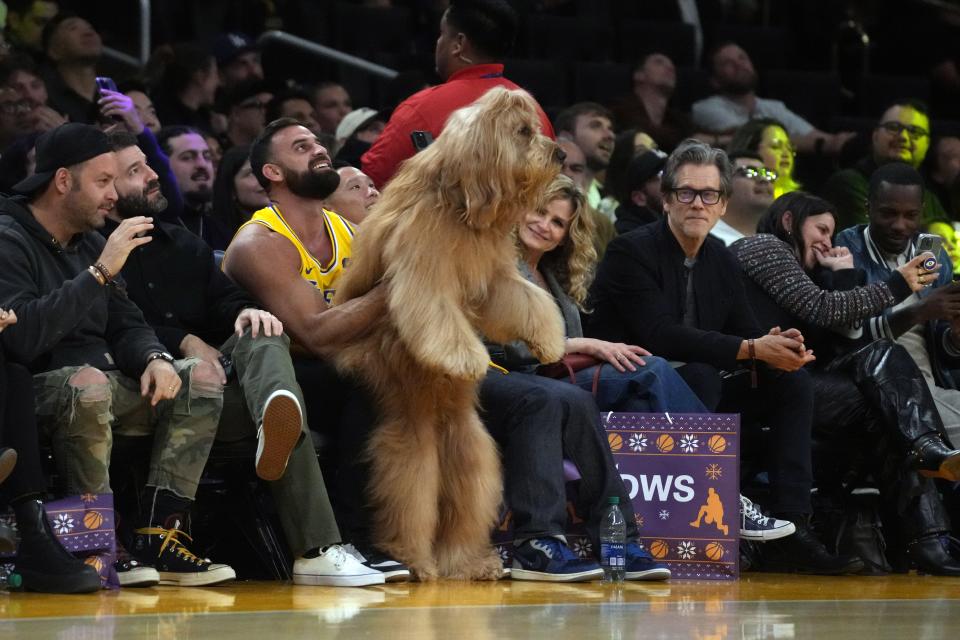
point(488, 142)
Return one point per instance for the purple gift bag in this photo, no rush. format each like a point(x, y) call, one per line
point(682, 474)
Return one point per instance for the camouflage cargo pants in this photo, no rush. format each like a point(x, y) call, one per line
point(80, 422)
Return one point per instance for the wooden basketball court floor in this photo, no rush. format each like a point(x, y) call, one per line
point(757, 606)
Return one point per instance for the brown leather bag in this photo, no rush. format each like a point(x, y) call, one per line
point(568, 366)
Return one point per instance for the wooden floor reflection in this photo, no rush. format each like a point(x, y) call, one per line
point(758, 606)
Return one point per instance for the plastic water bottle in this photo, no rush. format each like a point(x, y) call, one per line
point(613, 542)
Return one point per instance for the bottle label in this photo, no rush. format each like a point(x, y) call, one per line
point(612, 554)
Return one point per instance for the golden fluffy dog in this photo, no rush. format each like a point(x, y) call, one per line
point(440, 240)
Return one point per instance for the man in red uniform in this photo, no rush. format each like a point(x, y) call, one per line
point(474, 36)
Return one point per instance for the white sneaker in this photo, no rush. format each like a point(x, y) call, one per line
point(335, 568)
point(760, 528)
point(278, 434)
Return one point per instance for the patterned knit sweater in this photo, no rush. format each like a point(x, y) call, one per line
point(771, 264)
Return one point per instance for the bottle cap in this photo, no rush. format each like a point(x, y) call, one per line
point(613, 500)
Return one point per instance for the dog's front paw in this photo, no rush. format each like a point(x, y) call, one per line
point(465, 362)
point(548, 352)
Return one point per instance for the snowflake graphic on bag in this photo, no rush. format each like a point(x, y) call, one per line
point(689, 443)
point(637, 442)
point(63, 523)
point(686, 550)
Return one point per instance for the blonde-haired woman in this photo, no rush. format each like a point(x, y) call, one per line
point(557, 254)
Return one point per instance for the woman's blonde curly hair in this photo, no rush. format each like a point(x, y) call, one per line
point(574, 260)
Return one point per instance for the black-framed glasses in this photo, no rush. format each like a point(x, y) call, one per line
point(758, 174)
point(687, 196)
point(896, 128)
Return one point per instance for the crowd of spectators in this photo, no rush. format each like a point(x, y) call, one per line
point(170, 245)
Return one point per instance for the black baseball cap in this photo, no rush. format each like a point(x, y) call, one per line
point(645, 167)
point(227, 47)
point(65, 146)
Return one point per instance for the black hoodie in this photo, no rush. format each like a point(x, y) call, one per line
point(64, 316)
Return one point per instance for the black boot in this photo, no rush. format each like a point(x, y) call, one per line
point(804, 553)
point(931, 554)
point(8, 539)
point(934, 459)
point(42, 561)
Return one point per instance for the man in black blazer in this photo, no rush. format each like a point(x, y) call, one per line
point(671, 288)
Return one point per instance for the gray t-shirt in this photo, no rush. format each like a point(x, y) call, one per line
point(718, 114)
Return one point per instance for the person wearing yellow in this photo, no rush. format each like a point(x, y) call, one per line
point(289, 257)
point(765, 137)
point(322, 275)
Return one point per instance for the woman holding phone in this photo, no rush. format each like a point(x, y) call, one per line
point(871, 401)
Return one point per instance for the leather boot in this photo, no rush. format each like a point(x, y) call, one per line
point(42, 562)
point(931, 554)
point(8, 539)
point(934, 459)
point(804, 553)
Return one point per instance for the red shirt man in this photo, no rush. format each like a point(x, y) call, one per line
point(468, 63)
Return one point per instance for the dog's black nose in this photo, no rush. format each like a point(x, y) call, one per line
point(560, 155)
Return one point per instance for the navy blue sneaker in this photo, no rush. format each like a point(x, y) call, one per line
point(550, 560)
point(640, 565)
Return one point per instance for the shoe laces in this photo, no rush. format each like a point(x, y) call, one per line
point(337, 554)
point(171, 538)
point(750, 511)
point(352, 550)
point(553, 549)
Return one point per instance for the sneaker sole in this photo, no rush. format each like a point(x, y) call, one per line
point(766, 535)
point(540, 576)
point(140, 577)
point(649, 575)
point(400, 575)
point(365, 580)
point(282, 426)
point(198, 578)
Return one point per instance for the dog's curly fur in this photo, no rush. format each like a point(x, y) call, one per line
point(440, 239)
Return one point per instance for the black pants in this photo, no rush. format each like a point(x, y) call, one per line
point(538, 422)
point(872, 404)
point(18, 429)
point(782, 401)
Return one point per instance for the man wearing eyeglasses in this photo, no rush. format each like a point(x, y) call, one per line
point(670, 288)
point(751, 194)
point(902, 135)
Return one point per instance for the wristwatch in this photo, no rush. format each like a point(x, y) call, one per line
point(160, 355)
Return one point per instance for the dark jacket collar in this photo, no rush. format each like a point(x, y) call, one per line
point(18, 208)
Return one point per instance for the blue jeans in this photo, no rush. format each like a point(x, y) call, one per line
point(653, 388)
point(538, 422)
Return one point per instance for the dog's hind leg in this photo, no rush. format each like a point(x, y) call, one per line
point(404, 488)
point(470, 493)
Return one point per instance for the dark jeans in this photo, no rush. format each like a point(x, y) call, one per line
point(872, 404)
point(18, 430)
point(538, 422)
point(782, 401)
point(653, 388)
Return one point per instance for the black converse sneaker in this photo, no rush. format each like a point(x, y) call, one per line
point(175, 563)
point(392, 570)
point(760, 528)
point(131, 572)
